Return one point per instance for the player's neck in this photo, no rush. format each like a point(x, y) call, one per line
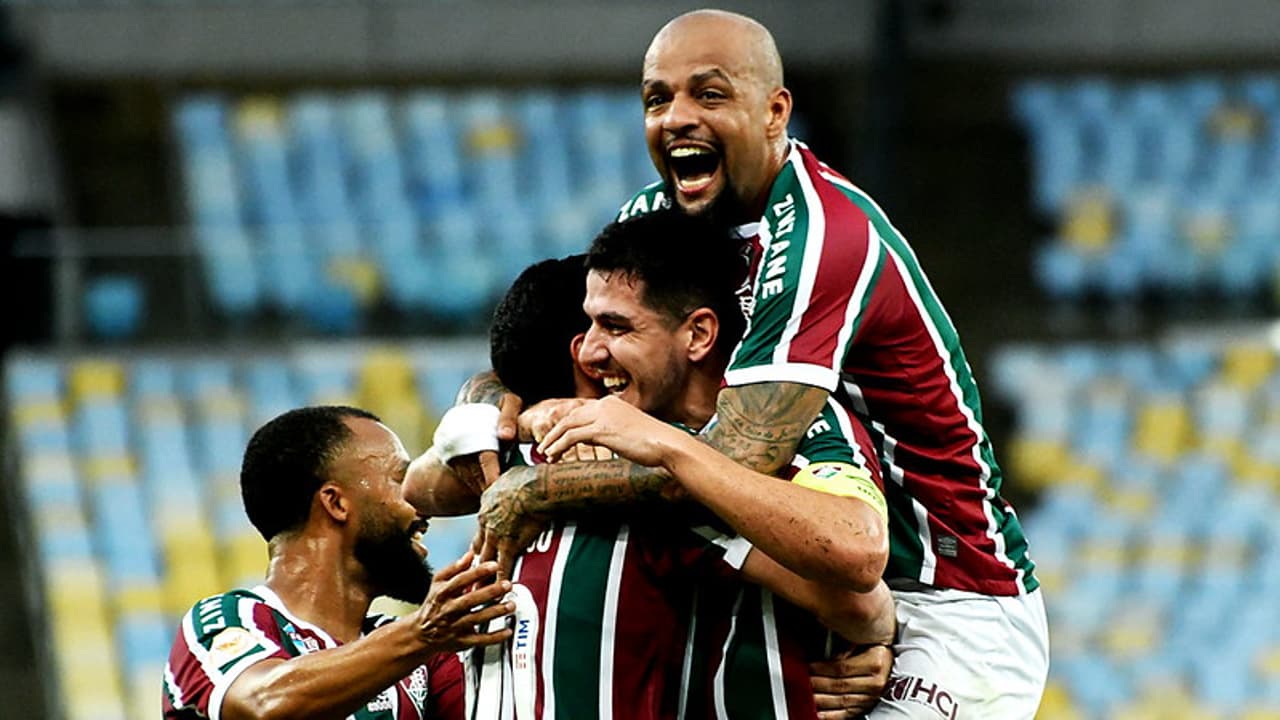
point(699, 400)
point(318, 584)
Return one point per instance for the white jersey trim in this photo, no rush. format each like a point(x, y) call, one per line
point(800, 373)
point(609, 628)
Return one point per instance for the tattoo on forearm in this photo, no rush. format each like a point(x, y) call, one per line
point(761, 425)
point(567, 489)
point(483, 387)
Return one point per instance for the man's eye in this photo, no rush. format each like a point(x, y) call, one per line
point(654, 101)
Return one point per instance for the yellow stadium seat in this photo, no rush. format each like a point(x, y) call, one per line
point(1135, 502)
point(1248, 365)
point(385, 374)
point(1267, 663)
point(1056, 704)
point(191, 566)
point(1131, 635)
point(39, 412)
point(258, 115)
point(1163, 429)
point(108, 470)
point(139, 598)
point(95, 378)
point(1035, 461)
point(1261, 713)
point(1088, 221)
point(358, 275)
point(244, 560)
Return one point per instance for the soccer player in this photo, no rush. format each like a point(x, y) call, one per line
point(323, 486)
point(838, 307)
point(646, 572)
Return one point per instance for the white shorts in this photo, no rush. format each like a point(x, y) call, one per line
point(962, 656)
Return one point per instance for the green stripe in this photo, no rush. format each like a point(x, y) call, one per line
point(747, 680)
point(778, 275)
point(579, 620)
point(829, 443)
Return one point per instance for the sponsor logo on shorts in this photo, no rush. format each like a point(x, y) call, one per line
point(909, 688)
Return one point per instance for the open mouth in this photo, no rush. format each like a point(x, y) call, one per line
point(694, 167)
point(615, 384)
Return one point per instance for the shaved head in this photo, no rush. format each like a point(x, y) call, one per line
point(716, 113)
point(744, 39)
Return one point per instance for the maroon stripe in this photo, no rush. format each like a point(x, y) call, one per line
point(844, 250)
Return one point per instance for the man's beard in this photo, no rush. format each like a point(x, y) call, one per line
point(395, 569)
point(727, 211)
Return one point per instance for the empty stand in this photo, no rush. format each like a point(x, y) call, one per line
point(130, 474)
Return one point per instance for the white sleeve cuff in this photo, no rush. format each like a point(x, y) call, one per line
point(466, 429)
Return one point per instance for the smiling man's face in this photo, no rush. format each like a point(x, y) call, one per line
point(633, 349)
point(713, 118)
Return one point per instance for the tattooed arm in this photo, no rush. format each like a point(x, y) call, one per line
point(759, 426)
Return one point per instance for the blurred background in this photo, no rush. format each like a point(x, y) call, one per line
point(215, 210)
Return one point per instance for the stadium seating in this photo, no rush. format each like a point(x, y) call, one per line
point(427, 201)
point(1156, 187)
point(1159, 474)
point(130, 475)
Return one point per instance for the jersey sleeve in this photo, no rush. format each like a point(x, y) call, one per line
point(652, 197)
point(217, 640)
point(838, 436)
point(819, 258)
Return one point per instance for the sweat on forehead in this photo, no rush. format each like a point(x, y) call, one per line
point(746, 46)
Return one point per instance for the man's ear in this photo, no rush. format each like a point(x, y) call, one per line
point(334, 502)
point(779, 113)
point(704, 328)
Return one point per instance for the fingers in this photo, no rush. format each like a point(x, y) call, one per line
point(487, 614)
point(509, 408)
point(506, 552)
point(456, 585)
point(562, 437)
point(488, 547)
point(481, 639)
point(452, 569)
point(490, 467)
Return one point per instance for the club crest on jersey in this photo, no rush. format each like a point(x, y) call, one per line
point(229, 645)
point(417, 686)
point(384, 701)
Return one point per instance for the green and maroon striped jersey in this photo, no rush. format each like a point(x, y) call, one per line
point(222, 635)
point(835, 298)
point(651, 621)
point(749, 651)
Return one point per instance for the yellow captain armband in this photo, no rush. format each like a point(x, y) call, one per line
point(845, 480)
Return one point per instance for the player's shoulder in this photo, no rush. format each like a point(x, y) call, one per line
point(230, 607)
point(651, 197)
point(806, 181)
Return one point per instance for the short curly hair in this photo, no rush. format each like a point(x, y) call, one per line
point(286, 462)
